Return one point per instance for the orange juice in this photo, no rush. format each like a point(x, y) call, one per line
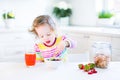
point(30, 59)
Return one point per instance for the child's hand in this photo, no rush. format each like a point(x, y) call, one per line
point(61, 46)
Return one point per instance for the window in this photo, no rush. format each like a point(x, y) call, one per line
point(110, 5)
point(106, 5)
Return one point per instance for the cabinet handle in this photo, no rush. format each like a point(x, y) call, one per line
point(17, 37)
point(86, 36)
point(18, 52)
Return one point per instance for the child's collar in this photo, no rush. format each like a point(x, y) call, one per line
point(51, 44)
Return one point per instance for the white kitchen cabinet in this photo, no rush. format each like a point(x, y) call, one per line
point(116, 48)
point(84, 42)
point(81, 42)
point(96, 38)
point(86, 37)
point(115, 54)
point(14, 43)
point(116, 43)
point(1, 52)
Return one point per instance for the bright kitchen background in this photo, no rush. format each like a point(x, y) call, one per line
point(84, 11)
point(83, 25)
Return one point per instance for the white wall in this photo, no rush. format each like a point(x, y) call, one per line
point(25, 10)
point(84, 12)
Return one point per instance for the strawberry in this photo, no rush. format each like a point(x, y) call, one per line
point(94, 71)
point(86, 67)
point(89, 68)
point(81, 66)
point(90, 72)
point(92, 65)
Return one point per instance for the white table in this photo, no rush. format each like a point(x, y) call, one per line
point(83, 57)
point(66, 71)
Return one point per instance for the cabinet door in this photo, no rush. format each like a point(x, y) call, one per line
point(14, 43)
point(14, 38)
point(14, 50)
point(115, 55)
point(81, 42)
point(12, 53)
point(116, 43)
point(95, 38)
point(1, 52)
point(116, 49)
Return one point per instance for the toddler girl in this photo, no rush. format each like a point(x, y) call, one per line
point(51, 45)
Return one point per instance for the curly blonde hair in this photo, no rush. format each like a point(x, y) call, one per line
point(40, 20)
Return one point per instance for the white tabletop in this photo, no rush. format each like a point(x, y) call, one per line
point(66, 71)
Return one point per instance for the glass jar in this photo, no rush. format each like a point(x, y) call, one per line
point(101, 54)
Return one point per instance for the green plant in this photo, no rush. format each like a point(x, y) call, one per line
point(8, 15)
point(62, 10)
point(105, 14)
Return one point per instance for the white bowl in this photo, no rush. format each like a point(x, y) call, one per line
point(52, 64)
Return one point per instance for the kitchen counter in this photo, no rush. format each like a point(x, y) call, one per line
point(112, 32)
point(66, 71)
point(12, 30)
point(103, 31)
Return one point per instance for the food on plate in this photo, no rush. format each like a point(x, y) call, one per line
point(53, 63)
point(54, 59)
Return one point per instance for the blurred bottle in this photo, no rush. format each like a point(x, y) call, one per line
point(101, 53)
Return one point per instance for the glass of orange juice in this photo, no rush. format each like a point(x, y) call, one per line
point(30, 58)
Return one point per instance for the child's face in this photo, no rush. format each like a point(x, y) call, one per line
point(45, 33)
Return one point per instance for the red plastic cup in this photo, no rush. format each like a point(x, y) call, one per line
point(30, 59)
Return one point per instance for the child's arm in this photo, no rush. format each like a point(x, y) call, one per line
point(68, 42)
point(65, 43)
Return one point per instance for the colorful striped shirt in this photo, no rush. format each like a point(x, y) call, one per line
point(47, 52)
